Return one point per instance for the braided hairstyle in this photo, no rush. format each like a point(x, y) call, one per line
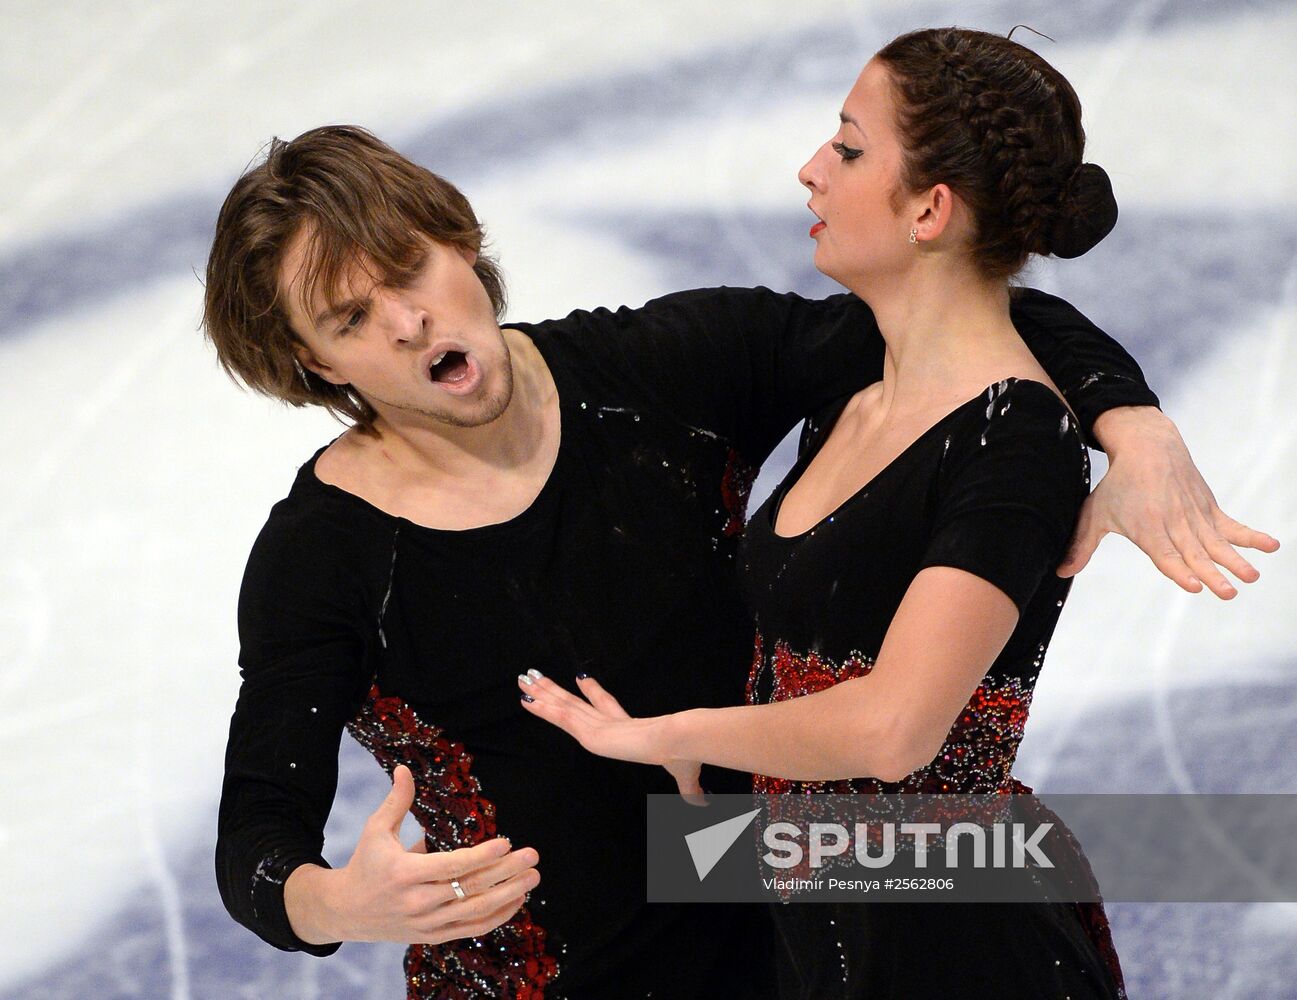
point(1002, 128)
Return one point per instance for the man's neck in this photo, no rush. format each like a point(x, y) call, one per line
point(425, 450)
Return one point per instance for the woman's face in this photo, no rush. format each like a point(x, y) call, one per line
point(861, 238)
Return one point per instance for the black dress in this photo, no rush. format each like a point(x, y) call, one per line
point(411, 637)
point(992, 488)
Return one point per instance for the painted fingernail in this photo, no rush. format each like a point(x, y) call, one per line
point(524, 679)
point(528, 698)
point(582, 677)
point(535, 674)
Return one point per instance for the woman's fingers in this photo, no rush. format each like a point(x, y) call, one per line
point(544, 705)
point(540, 688)
point(600, 698)
point(609, 732)
point(688, 774)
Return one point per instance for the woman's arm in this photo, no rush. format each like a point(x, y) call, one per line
point(949, 629)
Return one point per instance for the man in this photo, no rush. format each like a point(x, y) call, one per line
point(559, 497)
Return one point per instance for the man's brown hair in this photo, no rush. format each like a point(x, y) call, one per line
point(361, 204)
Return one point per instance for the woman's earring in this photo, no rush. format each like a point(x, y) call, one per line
point(914, 236)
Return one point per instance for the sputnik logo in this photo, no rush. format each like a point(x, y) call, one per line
point(708, 845)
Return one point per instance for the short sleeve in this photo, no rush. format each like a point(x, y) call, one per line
point(1011, 485)
point(302, 660)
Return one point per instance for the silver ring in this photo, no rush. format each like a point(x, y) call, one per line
point(459, 889)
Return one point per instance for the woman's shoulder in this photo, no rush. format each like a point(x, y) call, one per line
point(1017, 429)
point(1038, 407)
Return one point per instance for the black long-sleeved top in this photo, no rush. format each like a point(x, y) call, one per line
point(622, 567)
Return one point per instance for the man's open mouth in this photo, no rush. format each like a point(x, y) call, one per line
point(449, 368)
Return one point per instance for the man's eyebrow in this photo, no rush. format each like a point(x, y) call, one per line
point(331, 312)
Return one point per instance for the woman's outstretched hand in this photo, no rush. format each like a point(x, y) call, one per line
point(1154, 495)
point(602, 726)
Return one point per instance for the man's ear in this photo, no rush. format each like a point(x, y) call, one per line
point(467, 254)
point(307, 360)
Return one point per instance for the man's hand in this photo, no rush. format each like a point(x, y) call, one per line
point(387, 892)
point(1154, 495)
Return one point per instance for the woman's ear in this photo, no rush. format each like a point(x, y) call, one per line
point(936, 213)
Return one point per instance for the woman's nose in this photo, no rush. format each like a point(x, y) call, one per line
point(810, 175)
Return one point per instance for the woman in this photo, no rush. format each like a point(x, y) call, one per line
point(895, 652)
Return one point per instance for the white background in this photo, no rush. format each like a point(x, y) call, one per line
point(616, 151)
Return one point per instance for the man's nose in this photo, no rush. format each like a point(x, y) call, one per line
point(407, 320)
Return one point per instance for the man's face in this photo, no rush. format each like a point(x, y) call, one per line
point(429, 350)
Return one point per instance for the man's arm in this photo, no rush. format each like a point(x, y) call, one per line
point(748, 364)
point(388, 892)
point(1153, 494)
point(302, 680)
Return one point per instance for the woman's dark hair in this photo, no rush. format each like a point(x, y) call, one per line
point(1002, 128)
point(362, 203)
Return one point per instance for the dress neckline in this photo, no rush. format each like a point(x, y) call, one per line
point(831, 420)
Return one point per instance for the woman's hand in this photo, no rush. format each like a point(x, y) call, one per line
point(1154, 495)
point(602, 726)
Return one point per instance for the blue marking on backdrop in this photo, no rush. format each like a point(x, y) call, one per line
point(158, 240)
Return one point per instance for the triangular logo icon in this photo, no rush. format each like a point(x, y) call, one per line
point(708, 845)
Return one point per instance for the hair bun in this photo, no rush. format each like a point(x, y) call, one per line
point(1086, 214)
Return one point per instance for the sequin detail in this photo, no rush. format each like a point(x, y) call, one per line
point(508, 961)
point(736, 488)
point(978, 753)
point(796, 675)
point(976, 757)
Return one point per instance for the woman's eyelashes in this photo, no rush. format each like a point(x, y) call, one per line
point(845, 151)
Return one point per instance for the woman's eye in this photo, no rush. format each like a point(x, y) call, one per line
point(354, 320)
point(845, 151)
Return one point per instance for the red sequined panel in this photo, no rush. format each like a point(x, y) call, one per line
point(976, 757)
point(736, 487)
point(510, 961)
